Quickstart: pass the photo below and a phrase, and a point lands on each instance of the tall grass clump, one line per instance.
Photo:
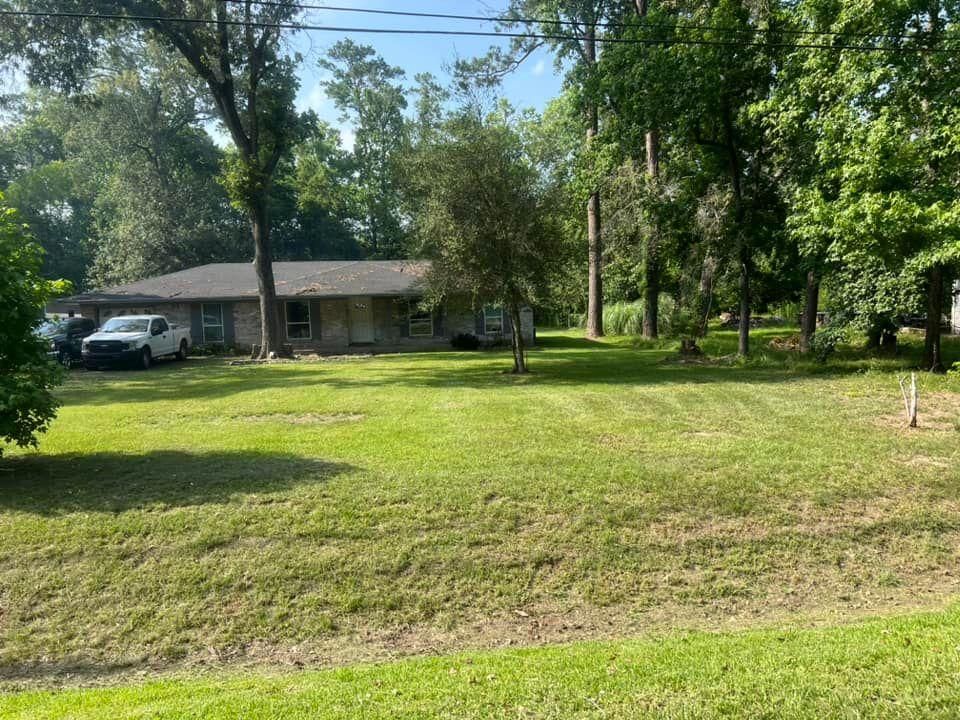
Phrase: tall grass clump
(626, 318)
(623, 318)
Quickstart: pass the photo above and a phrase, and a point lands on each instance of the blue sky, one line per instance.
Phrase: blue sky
(533, 84)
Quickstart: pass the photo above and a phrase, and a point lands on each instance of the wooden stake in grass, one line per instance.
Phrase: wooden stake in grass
(910, 402)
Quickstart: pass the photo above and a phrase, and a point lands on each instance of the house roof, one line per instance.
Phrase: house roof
(238, 281)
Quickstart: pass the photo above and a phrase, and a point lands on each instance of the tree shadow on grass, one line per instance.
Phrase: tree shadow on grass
(115, 482)
(28, 676)
(559, 361)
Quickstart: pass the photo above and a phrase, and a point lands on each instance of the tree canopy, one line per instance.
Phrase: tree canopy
(27, 376)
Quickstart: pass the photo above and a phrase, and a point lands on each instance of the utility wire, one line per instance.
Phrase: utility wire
(510, 19)
(458, 33)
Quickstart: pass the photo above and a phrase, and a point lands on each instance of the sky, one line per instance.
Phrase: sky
(533, 84)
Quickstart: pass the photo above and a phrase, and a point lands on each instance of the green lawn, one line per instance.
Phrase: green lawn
(203, 515)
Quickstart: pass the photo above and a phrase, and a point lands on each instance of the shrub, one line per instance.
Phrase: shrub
(465, 341)
(825, 340)
(27, 377)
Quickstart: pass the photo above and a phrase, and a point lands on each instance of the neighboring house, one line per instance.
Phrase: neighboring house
(326, 306)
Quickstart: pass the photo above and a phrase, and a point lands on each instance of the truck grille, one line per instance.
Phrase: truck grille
(105, 346)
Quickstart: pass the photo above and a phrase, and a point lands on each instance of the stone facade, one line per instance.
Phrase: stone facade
(330, 323)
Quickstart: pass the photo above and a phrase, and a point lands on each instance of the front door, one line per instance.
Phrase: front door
(361, 320)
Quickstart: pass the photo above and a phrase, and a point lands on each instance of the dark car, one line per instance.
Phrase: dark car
(65, 337)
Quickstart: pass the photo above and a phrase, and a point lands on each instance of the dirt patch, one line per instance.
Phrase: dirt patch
(617, 442)
(922, 461)
(790, 343)
(937, 412)
(703, 360)
(707, 434)
(303, 359)
(336, 358)
(303, 419)
(533, 625)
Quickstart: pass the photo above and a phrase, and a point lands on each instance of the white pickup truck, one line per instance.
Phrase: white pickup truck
(134, 340)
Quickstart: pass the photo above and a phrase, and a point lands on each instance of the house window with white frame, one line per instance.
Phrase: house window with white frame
(421, 321)
(212, 322)
(492, 320)
(297, 314)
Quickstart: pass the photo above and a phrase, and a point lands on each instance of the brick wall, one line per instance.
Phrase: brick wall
(389, 319)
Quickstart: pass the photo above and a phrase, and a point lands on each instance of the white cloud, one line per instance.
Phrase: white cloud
(314, 100)
(347, 137)
(539, 68)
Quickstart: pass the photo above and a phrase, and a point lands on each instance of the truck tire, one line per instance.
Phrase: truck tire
(181, 353)
(63, 357)
(145, 359)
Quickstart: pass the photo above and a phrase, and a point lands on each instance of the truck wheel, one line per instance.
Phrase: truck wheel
(64, 359)
(145, 359)
(182, 352)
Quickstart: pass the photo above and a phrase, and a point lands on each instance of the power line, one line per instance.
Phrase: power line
(457, 33)
(510, 19)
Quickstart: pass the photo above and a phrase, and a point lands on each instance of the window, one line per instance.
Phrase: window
(421, 322)
(160, 326)
(121, 325)
(492, 321)
(212, 323)
(298, 320)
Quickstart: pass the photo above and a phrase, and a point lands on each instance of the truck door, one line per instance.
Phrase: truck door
(161, 337)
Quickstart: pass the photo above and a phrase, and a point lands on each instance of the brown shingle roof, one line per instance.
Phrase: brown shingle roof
(237, 281)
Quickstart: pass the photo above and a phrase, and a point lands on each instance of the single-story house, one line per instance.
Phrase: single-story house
(323, 306)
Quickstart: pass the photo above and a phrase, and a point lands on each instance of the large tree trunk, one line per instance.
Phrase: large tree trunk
(705, 300)
(263, 265)
(594, 240)
(743, 251)
(595, 268)
(743, 341)
(651, 279)
(519, 358)
(932, 359)
(651, 295)
(808, 324)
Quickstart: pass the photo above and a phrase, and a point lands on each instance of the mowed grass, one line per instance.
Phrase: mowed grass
(333, 512)
(900, 668)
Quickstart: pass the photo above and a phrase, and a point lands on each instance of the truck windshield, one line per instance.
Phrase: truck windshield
(51, 328)
(122, 325)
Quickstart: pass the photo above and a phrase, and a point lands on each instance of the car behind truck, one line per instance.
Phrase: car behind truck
(134, 340)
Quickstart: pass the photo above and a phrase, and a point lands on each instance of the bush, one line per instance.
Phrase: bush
(465, 341)
(214, 350)
(27, 376)
(825, 340)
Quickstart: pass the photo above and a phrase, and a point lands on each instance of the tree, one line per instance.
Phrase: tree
(159, 204)
(366, 91)
(46, 185)
(573, 28)
(485, 220)
(120, 182)
(653, 262)
(707, 94)
(234, 50)
(885, 207)
(27, 376)
(313, 200)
